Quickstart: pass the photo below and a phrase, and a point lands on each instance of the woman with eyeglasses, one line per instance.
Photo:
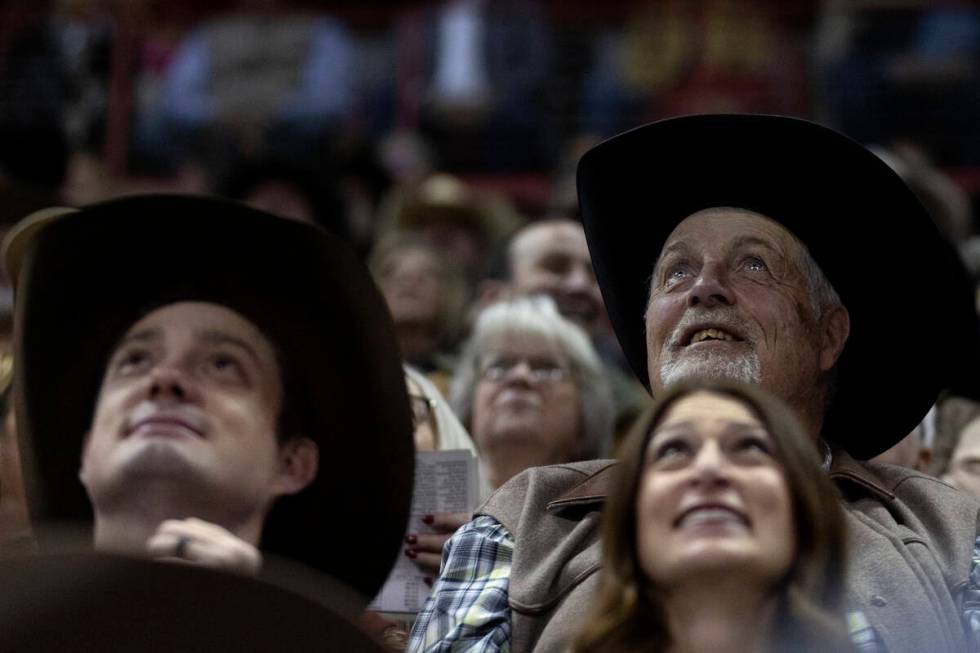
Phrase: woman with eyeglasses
(531, 390)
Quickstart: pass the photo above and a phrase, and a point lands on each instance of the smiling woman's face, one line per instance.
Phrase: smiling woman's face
(712, 499)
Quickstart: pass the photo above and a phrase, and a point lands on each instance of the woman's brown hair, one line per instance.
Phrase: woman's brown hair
(629, 614)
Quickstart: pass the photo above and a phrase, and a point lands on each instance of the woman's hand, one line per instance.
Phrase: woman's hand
(198, 542)
(426, 548)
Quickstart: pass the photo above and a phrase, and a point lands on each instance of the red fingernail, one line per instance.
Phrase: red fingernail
(428, 519)
(411, 539)
(427, 580)
(410, 553)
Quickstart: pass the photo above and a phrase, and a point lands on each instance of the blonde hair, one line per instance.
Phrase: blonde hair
(450, 434)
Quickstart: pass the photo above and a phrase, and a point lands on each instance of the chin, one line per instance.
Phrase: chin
(518, 410)
(517, 429)
(745, 370)
(158, 458)
(724, 563)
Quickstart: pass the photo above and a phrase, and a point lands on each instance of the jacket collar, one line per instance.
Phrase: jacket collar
(844, 469)
(592, 491)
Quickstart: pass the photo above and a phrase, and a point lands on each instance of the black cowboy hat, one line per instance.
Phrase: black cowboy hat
(83, 277)
(913, 326)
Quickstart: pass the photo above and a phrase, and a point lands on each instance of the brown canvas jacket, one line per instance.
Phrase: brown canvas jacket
(911, 539)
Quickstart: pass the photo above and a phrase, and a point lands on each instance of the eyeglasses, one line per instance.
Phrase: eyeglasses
(423, 409)
(538, 370)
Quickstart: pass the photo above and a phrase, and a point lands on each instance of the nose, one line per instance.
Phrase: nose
(411, 276)
(711, 288)
(579, 279)
(167, 382)
(710, 468)
(519, 373)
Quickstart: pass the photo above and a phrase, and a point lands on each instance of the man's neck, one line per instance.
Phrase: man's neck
(809, 411)
(416, 341)
(727, 617)
(127, 529)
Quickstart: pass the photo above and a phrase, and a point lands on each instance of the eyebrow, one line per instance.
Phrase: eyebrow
(743, 241)
(676, 247)
(143, 335)
(221, 338)
(210, 336)
(736, 427)
(682, 247)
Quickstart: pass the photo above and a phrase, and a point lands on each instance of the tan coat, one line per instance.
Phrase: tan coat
(911, 540)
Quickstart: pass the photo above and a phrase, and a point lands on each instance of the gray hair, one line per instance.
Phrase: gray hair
(823, 297)
(538, 316)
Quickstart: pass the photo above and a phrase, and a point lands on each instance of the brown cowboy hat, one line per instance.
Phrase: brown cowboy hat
(913, 327)
(94, 602)
(82, 277)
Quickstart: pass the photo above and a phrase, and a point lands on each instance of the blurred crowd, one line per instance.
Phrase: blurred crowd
(439, 141)
(315, 105)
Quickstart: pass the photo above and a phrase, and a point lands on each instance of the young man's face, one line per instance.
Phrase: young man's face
(190, 401)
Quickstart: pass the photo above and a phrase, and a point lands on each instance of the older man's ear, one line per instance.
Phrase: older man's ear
(299, 461)
(834, 330)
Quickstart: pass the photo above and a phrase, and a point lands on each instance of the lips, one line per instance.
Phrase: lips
(517, 399)
(711, 334)
(164, 427)
(148, 419)
(697, 334)
(710, 515)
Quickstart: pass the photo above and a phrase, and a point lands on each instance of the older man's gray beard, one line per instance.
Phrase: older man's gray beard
(679, 364)
(744, 369)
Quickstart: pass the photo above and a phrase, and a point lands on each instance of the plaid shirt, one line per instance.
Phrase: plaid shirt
(468, 610)
(971, 601)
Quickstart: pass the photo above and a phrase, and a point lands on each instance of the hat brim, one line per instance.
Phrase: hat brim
(84, 277)
(913, 327)
(89, 602)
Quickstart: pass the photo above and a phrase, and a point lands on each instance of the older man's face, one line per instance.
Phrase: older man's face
(728, 300)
